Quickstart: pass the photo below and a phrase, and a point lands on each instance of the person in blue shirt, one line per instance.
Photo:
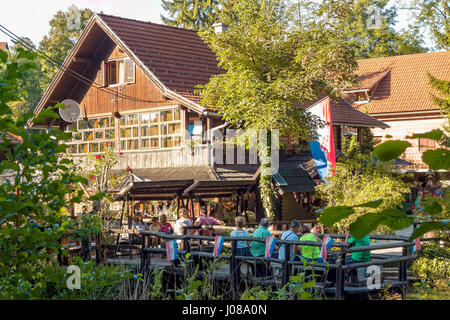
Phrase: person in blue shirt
(290, 235)
(242, 247)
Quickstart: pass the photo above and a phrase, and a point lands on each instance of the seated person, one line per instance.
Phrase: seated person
(138, 223)
(309, 253)
(242, 247)
(290, 235)
(258, 249)
(361, 256)
(166, 227)
(155, 227)
(184, 221)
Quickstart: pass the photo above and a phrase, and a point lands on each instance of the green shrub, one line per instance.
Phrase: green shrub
(433, 265)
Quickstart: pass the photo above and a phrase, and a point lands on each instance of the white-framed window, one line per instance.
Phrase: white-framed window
(91, 134)
(151, 130)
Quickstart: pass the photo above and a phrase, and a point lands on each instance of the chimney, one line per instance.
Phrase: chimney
(220, 28)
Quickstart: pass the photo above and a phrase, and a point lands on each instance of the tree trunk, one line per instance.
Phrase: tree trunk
(99, 252)
(85, 249)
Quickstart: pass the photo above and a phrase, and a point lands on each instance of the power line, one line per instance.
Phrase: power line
(73, 73)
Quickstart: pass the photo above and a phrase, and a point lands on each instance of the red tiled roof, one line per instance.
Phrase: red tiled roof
(14, 138)
(342, 113)
(179, 58)
(368, 80)
(405, 88)
(3, 45)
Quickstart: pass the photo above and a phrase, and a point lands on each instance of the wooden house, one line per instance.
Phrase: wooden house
(135, 84)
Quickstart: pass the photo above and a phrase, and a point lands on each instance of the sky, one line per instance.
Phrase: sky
(29, 18)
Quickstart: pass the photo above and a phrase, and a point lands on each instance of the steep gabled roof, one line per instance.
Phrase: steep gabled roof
(405, 87)
(178, 57)
(174, 59)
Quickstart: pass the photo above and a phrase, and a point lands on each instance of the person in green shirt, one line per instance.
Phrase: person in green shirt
(361, 256)
(309, 253)
(258, 249)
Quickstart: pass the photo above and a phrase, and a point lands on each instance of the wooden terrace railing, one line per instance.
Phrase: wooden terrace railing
(338, 265)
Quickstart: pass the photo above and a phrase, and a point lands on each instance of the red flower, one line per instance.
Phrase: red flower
(107, 143)
(120, 153)
(413, 207)
(92, 177)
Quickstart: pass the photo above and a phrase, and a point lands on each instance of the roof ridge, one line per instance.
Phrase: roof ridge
(406, 55)
(147, 22)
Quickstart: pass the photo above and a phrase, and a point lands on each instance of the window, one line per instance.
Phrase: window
(120, 71)
(91, 135)
(426, 144)
(151, 130)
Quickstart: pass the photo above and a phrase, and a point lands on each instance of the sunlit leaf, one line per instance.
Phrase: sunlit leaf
(365, 224)
(427, 227)
(433, 209)
(437, 159)
(370, 204)
(390, 150)
(332, 215)
(434, 135)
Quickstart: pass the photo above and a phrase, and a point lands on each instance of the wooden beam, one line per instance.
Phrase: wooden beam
(82, 60)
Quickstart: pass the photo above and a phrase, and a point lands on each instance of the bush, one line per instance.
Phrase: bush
(433, 265)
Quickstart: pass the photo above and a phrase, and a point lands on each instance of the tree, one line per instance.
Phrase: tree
(190, 14)
(35, 186)
(435, 15)
(369, 26)
(30, 83)
(66, 27)
(272, 63)
(443, 101)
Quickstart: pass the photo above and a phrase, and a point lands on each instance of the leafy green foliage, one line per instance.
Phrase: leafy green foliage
(369, 26)
(436, 134)
(437, 159)
(271, 65)
(34, 193)
(433, 265)
(190, 14)
(64, 32)
(361, 186)
(434, 14)
(390, 150)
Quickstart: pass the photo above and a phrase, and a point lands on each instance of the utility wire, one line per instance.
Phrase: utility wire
(73, 73)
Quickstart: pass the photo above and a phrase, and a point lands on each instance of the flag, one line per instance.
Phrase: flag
(270, 245)
(171, 250)
(218, 244)
(326, 244)
(323, 149)
(417, 246)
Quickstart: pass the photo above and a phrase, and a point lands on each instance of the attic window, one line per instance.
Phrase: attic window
(361, 97)
(121, 71)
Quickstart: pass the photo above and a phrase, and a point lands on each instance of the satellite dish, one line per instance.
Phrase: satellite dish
(72, 112)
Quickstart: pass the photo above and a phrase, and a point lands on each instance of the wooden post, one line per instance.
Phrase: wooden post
(193, 211)
(402, 272)
(178, 207)
(338, 137)
(287, 257)
(340, 276)
(233, 272)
